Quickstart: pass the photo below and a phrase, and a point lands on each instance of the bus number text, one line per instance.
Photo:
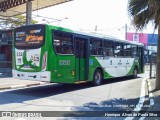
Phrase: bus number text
(64, 62)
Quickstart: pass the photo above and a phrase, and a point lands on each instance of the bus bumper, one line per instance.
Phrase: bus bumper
(37, 76)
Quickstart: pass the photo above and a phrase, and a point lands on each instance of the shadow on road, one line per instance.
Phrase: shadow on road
(21, 95)
(113, 106)
(93, 109)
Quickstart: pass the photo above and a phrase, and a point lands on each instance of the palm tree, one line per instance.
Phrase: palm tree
(143, 12)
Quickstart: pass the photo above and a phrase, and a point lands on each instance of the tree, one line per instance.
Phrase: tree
(143, 12)
(13, 22)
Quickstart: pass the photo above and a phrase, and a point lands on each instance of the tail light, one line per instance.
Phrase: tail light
(44, 62)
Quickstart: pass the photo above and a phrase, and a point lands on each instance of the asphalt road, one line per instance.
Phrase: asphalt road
(121, 94)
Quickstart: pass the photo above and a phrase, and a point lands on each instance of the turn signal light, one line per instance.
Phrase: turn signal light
(73, 72)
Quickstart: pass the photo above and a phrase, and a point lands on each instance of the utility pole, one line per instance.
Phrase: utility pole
(28, 12)
(126, 31)
(96, 28)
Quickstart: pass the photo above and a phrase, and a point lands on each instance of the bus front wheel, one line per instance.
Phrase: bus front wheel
(97, 80)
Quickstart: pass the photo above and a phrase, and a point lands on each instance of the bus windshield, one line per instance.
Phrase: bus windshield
(28, 37)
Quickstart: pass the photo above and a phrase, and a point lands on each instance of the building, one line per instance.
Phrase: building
(149, 40)
(6, 38)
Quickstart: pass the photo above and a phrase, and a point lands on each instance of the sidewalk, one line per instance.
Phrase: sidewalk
(11, 83)
(154, 96)
(152, 84)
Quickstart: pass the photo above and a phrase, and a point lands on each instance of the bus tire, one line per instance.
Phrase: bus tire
(97, 78)
(135, 72)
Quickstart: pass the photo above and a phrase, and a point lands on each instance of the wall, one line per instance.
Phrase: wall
(138, 37)
(147, 39)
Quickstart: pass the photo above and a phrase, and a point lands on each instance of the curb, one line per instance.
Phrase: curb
(150, 94)
(4, 87)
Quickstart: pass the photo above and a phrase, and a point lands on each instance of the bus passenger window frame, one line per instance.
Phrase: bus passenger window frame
(94, 49)
(127, 48)
(108, 49)
(62, 38)
(135, 51)
(118, 49)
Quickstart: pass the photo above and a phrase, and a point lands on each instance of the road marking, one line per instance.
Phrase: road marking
(150, 96)
(142, 118)
(150, 93)
(141, 100)
(142, 96)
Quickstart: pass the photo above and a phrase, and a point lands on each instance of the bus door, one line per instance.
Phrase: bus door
(81, 58)
(141, 59)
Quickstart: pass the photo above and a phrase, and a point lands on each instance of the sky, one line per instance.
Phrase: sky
(109, 16)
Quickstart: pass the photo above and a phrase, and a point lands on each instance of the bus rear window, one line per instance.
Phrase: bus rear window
(29, 37)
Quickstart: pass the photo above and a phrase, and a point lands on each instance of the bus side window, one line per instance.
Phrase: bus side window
(118, 49)
(127, 50)
(80, 47)
(134, 51)
(96, 46)
(63, 42)
(108, 48)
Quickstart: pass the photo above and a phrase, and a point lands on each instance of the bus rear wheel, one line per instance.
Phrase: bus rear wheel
(97, 80)
(135, 72)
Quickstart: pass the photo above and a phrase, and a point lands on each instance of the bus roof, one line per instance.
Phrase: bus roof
(99, 35)
(102, 36)
(96, 35)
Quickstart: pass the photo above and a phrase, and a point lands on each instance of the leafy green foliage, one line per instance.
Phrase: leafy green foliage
(14, 22)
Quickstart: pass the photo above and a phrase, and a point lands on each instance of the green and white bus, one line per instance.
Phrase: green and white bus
(56, 54)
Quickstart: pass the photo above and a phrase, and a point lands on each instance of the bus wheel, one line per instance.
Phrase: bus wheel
(97, 80)
(135, 72)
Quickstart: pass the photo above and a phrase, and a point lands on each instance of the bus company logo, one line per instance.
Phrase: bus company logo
(6, 114)
(35, 31)
(91, 62)
(20, 34)
(27, 66)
